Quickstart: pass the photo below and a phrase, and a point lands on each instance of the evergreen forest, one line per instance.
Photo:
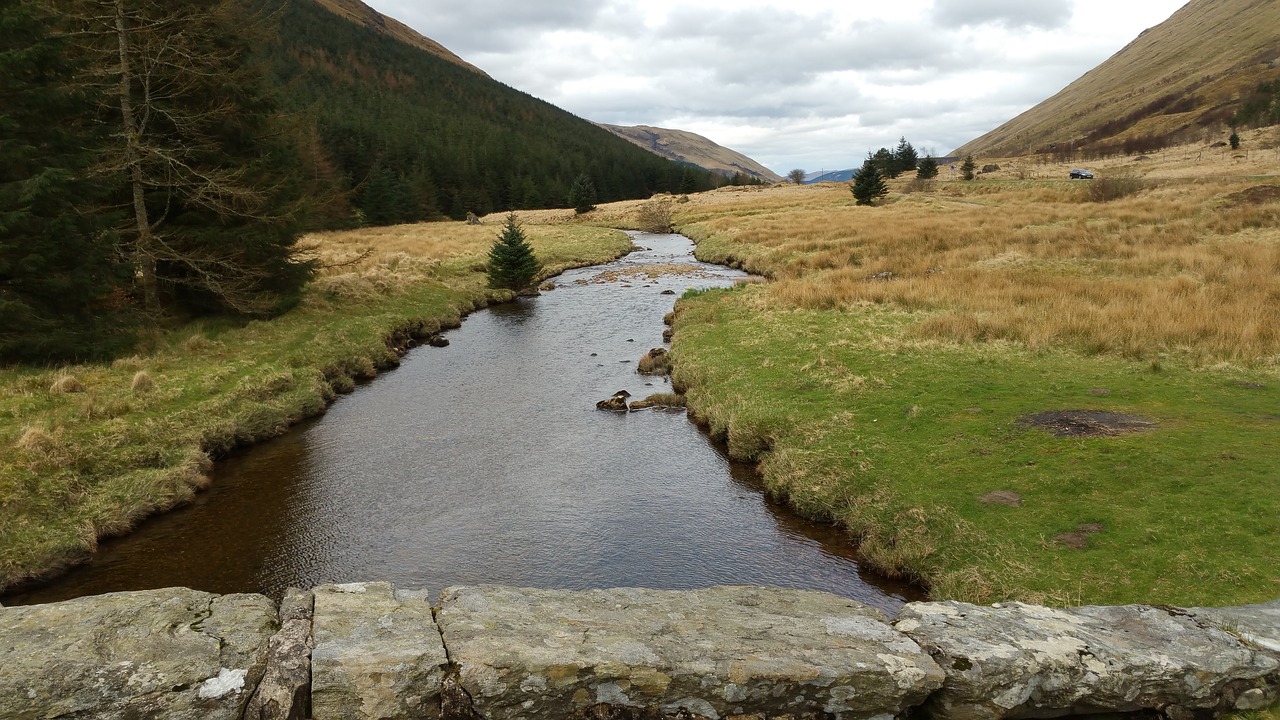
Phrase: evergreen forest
(158, 161)
(400, 135)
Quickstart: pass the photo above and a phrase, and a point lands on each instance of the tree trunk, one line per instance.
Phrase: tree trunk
(143, 251)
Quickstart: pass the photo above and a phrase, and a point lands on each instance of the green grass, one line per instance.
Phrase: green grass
(898, 438)
(78, 466)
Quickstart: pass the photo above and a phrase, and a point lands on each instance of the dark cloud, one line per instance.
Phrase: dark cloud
(1046, 14)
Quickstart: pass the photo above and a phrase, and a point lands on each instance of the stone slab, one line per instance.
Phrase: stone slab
(543, 654)
(376, 655)
(285, 690)
(1023, 661)
(173, 653)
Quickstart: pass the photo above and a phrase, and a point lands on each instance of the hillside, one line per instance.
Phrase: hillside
(361, 14)
(687, 147)
(1180, 80)
(397, 131)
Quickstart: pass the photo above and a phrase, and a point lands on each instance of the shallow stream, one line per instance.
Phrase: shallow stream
(487, 462)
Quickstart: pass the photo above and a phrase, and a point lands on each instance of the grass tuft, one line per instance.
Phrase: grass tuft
(66, 384)
(142, 383)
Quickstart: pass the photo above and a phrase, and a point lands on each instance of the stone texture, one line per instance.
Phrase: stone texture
(285, 690)
(176, 654)
(543, 654)
(1258, 625)
(377, 654)
(1023, 661)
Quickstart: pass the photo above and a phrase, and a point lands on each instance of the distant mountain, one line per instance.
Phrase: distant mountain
(830, 176)
(687, 147)
(1184, 78)
(395, 128)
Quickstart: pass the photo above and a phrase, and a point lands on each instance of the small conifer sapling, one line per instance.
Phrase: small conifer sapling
(512, 264)
(869, 186)
(582, 196)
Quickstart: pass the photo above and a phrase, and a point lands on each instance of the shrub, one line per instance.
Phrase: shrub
(1113, 187)
(655, 216)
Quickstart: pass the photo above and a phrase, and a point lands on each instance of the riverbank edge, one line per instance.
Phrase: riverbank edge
(336, 377)
(885, 548)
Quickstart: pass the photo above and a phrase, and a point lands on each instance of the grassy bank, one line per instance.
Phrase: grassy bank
(87, 451)
(889, 379)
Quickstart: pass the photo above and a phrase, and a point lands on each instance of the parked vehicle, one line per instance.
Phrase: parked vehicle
(1080, 175)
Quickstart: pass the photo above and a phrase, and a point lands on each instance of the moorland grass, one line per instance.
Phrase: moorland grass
(138, 434)
(881, 380)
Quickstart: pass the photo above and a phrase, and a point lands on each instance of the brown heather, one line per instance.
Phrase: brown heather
(1178, 268)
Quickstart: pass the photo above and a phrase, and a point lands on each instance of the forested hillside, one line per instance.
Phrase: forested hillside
(404, 135)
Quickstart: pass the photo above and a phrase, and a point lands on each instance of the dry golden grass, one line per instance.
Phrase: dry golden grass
(1179, 267)
(1259, 155)
(142, 382)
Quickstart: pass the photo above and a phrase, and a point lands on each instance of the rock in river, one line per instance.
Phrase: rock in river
(617, 403)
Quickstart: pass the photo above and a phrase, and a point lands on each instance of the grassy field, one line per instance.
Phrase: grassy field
(87, 451)
(894, 374)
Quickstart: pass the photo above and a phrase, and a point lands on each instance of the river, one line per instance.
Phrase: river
(487, 462)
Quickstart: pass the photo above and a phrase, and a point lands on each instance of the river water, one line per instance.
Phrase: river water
(487, 462)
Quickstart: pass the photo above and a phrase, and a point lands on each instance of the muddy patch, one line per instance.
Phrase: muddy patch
(1002, 497)
(1078, 539)
(1087, 423)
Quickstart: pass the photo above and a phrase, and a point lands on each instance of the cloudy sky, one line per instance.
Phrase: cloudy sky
(810, 84)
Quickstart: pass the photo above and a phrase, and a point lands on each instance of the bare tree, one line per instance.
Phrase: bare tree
(796, 176)
(174, 83)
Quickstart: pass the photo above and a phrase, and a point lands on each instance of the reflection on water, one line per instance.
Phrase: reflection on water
(487, 462)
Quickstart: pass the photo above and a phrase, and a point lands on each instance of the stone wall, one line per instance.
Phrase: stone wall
(495, 653)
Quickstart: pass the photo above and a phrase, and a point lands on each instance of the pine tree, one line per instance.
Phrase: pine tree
(968, 169)
(512, 264)
(928, 169)
(582, 196)
(1234, 139)
(869, 186)
(886, 163)
(58, 271)
(905, 157)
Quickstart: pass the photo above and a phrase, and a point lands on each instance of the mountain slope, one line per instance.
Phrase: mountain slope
(687, 147)
(1181, 78)
(399, 133)
(357, 12)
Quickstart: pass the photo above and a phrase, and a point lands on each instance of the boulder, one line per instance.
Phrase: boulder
(285, 690)
(544, 654)
(177, 654)
(1023, 661)
(617, 403)
(377, 655)
(1257, 625)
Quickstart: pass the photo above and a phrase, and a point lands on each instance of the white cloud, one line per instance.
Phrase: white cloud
(805, 83)
(1047, 14)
